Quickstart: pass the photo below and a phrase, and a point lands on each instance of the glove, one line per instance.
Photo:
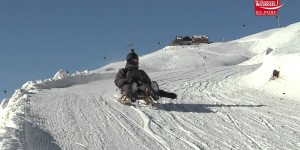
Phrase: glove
(125, 81)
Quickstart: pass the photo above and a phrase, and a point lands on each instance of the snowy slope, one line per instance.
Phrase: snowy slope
(226, 100)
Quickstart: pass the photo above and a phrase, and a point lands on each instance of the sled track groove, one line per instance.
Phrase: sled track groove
(146, 129)
(243, 133)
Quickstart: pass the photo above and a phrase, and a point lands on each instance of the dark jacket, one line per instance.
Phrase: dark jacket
(131, 74)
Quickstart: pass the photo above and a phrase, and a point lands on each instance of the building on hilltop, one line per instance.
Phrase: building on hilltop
(200, 39)
(190, 40)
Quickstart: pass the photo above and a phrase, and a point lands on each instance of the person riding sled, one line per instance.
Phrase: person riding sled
(131, 80)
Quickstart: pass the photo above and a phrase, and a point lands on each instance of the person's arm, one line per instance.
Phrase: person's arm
(120, 79)
(146, 78)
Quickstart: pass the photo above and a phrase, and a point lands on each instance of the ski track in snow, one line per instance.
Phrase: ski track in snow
(206, 115)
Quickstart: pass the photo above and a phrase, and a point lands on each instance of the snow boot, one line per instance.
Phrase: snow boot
(148, 98)
(163, 93)
(124, 99)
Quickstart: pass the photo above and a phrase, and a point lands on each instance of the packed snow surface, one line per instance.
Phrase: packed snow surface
(227, 99)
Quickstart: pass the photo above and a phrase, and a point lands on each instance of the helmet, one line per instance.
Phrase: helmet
(131, 55)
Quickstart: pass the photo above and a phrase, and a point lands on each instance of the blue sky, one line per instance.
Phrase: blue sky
(38, 38)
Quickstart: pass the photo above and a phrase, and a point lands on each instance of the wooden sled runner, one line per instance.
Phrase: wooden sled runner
(140, 96)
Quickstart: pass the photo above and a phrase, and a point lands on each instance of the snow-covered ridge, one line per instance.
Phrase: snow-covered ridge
(12, 110)
(274, 38)
(191, 57)
(252, 48)
(60, 80)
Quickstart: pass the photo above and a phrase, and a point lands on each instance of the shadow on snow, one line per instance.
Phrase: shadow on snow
(198, 108)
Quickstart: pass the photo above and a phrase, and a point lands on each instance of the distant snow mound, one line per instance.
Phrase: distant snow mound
(274, 38)
(60, 74)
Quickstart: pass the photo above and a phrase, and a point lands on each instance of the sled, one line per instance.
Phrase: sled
(141, 96)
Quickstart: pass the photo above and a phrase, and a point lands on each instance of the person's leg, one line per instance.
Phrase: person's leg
(171, 95)
(155, 87)
(127, 90)
(134, 91)
(154, 90)
(148, 89)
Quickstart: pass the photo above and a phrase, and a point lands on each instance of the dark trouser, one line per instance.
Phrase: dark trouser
(131, 90)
